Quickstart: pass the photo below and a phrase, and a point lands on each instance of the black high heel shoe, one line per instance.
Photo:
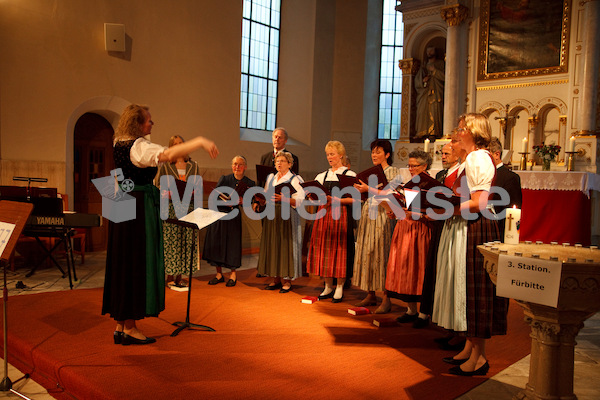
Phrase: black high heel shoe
(127, 340)
(118, 337)
(455, 361)
(326, 296)
(483, 370)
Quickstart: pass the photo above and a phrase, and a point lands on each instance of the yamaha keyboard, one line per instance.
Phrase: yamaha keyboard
(68, 220)
(47, 220)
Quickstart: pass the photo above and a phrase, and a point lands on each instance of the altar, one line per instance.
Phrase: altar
(561, 207)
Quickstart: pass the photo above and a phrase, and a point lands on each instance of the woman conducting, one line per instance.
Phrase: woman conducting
(135, 278)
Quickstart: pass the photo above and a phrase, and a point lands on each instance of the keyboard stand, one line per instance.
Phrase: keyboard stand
(63, 234)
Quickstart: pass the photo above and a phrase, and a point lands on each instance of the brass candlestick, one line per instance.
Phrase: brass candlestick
(523, 164)
(571, 160)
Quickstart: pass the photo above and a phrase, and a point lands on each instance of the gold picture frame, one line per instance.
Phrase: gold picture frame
(519, 38)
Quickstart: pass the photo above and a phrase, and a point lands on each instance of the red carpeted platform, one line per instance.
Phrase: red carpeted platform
(266, 345)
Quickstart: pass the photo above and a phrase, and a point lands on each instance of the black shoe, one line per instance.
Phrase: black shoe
(453, 347)
(483, 370)
(259, 275)
(127, 340)
(334, 300)
(118, 337)
(326, 296)
(282, 290)
(273, 287)
(231, 283)
(420, 323)
(403, 319)
(455, 361)
(214, 280)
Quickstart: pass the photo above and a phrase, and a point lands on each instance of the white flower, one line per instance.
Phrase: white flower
(548, 157)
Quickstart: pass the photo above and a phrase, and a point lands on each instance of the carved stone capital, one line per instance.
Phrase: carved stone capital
(562, 119)
(454, 14)
(533, 121)
(553, 334)
(409, 66)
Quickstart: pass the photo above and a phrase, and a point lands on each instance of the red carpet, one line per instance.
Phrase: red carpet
(266, 345)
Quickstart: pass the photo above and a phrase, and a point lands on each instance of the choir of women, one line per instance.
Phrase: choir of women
(464, 298)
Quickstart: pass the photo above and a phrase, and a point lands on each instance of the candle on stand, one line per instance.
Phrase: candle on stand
(524, 148)
(426, 147)
(512, 225)
(572, 144)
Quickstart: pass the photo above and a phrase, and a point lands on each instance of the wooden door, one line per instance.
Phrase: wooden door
(93, 154)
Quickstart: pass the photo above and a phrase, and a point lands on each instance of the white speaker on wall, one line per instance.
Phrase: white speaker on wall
(114, 37)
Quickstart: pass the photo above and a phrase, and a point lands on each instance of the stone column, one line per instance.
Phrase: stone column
(533, 136)
(456, 54)
(409, 67)
(563, 136)
(591, 67)
(552, 355)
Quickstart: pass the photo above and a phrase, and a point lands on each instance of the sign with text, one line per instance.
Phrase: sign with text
(529, 279)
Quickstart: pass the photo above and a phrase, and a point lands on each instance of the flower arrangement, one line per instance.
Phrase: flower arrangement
(547, 153)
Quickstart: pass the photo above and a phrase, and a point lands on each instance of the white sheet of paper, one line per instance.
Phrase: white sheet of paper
(410, 195)
(6, 230)
(203, 217)
(529, 279)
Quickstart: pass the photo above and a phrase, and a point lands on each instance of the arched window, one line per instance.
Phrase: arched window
(260, 64)
(390, 77)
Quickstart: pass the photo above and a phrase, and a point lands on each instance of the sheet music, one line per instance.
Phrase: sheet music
(410, 195)
(6, 230)
(203, 217)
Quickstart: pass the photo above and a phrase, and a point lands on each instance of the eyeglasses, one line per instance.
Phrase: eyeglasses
(410, 166)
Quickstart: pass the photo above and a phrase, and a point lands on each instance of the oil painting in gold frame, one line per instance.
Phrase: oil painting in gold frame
(519, 38)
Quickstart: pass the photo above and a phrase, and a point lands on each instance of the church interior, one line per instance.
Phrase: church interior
(531, 67)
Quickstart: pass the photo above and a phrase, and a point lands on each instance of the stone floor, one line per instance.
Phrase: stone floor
(502, 386)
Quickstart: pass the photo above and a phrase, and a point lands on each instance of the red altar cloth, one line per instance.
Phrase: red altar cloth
(556, 216)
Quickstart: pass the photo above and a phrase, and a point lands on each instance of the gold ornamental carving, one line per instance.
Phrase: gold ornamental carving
(409, 66)
(522, 85)
(454, 14)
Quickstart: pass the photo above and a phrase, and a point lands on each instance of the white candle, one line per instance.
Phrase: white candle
(426, 147)
(572, 144)
(524, 148)
(512, 225)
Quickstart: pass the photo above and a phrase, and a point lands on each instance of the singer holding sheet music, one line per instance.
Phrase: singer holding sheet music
(180, 242)
(409, 251)
(473, 309)
(332, 237)
(374, 234)
(134, 283)
(280, 252)
(223, 241)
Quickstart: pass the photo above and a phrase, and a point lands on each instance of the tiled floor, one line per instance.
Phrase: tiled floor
(503, 386)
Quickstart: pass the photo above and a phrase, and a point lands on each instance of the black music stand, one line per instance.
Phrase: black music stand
(14, 213)
(187, 323)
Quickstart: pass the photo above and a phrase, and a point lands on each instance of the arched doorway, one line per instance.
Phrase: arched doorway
(93, 158)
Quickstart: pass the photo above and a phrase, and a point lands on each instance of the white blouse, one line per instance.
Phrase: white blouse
(144, 153)
(272, 181)
(480, 170)
(329, 175)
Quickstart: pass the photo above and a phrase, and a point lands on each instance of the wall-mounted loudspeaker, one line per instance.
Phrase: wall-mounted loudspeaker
(114, 37)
